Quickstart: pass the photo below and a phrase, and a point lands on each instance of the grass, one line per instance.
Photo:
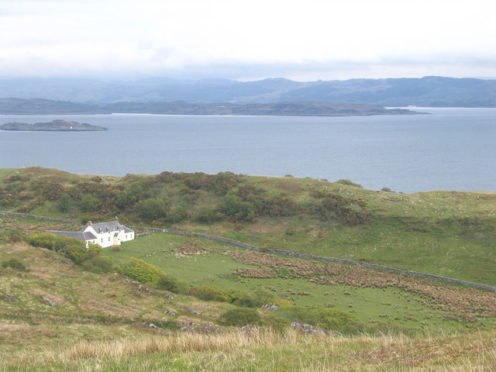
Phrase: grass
(391, 306)
(467, 256)
(267, 351)
(439, 232)
(100, 321)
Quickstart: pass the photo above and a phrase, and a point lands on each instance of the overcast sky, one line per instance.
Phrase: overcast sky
(248, 39)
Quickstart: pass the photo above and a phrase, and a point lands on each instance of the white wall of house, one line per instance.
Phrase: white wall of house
(110, 238)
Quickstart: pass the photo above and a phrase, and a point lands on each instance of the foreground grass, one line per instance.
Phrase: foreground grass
(267, 351)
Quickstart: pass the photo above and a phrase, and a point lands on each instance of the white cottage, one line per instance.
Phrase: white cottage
(105, 234)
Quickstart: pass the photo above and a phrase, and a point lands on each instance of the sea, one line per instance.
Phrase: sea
(445, 149)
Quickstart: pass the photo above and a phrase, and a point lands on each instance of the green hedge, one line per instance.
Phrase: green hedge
(71, 248)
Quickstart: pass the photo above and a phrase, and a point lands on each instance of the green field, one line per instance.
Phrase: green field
(391, 306)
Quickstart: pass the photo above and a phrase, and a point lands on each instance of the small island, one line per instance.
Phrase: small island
(53, 126)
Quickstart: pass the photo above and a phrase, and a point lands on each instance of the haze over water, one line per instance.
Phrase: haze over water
(451, 149)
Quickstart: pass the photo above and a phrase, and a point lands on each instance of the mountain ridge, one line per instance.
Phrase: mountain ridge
(430, 91)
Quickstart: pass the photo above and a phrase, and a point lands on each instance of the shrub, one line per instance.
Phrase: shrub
(348, 183)
(206, 214)
(142, 271)
(239, 317)
(71, 248)
(276, 323)
(98, 264)
(177, 214)
(152, 209)
(64, 203)
(328, 319)
(246, 299)
(172, 284)
(14, 264)
(208, 294)
(233, 206)
(241, 298)
(89, 203)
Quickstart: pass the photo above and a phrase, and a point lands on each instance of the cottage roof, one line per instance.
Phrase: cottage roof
(110, 226)
(79, 235)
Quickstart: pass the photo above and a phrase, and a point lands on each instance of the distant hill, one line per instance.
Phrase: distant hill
(43, 106)
(52, 126)
(427, 91)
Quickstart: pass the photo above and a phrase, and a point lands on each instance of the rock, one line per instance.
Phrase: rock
(151, 325)
(270, 306)
(48, 301)
(201, 328)
(169, 297)
(307, 329)
(170, 313)
(194, 312)
(251, 330)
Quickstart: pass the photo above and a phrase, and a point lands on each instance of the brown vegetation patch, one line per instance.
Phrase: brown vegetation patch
(192, 247)
(468, 302)
(263, 227)
(255, 273)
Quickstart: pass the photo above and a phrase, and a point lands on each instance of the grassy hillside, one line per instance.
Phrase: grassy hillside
(58, 316)
(447, 233)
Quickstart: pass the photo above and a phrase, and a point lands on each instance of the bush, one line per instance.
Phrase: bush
(233, 206)
(208, 294)
(142, 271)
(169, 283)
(152, 209)
(239, 317)
(276, 323)
(246, 299)
(328, 319)
(14, 264)
(98, 264)
(206, 214)
(348, 183)
(71, 248)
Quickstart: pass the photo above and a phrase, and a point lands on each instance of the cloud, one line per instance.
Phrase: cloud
(241, 39)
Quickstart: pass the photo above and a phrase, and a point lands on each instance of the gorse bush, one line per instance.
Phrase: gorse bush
(239, 317)
(142, 271)
(71, 248)
(208, 294)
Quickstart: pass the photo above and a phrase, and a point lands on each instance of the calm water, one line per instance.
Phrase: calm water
(451, 149)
